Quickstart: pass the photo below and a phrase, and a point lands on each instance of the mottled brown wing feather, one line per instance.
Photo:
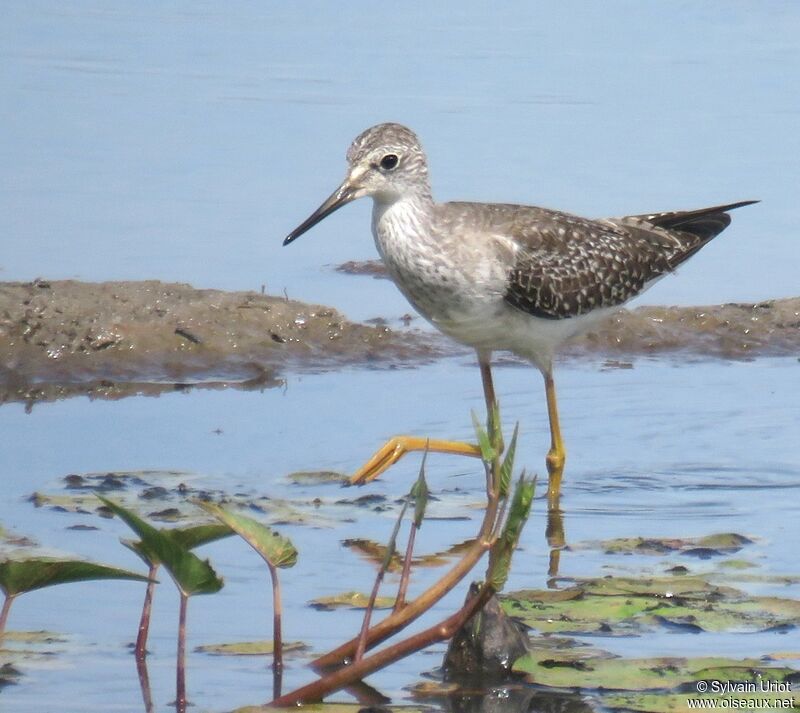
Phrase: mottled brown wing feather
(589, 267)
(568, 266)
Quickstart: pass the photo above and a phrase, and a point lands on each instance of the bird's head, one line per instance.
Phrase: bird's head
(386, 162)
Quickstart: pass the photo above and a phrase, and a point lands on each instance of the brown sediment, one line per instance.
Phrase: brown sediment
(730, 331)
(113, 339)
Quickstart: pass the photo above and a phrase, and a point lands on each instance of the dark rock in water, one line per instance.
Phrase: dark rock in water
(487, 645)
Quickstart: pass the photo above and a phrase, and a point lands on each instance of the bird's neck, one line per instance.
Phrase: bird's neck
(402, 222)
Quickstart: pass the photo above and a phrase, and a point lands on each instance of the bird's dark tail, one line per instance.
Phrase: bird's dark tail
(705, 223)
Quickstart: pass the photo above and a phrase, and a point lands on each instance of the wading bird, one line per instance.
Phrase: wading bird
(504, 277)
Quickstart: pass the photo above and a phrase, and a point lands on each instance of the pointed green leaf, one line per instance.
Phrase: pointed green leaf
(493, 422)
(276, 550)
(199, 535)
(186, 537)
(420, 493)
(191, 574)
(391, 546)
(136, 546)
(18, 576)
(503, 549)
(507, 467)
(487, 451)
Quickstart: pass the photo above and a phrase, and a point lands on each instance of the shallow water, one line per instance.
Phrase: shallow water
(184, 142)
(658, 450)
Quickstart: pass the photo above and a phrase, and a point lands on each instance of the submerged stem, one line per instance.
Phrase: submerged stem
(180, 693)
(7, 602)
(362, 637)
(400, 602)
(345, 676)
(277, 632)
(277, 611)
(402, 618)
(144, 684)
(144, 621)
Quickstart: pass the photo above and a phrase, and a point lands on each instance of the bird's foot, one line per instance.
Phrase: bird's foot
(395, 448)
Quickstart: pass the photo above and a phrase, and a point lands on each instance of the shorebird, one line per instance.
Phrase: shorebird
(503, 277)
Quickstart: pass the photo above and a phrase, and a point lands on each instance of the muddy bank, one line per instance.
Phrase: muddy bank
(113, 339)
(730, 331)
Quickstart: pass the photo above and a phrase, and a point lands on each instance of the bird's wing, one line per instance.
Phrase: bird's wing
(562, 265)
(565, 266)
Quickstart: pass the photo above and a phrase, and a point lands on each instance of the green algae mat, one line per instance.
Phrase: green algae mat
(568, 626)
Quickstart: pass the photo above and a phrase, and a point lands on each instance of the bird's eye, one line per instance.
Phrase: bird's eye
(389, 161)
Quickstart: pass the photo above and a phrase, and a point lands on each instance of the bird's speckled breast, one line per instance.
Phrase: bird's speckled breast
(448, 279)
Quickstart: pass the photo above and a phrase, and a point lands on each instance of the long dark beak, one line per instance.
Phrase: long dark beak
(341, 196)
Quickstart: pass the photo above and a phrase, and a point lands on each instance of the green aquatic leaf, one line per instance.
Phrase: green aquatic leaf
(693, 587)
(198, 535)
(724, 542)
(273, 548)
(488, 453)
(34, 637)
(420, 493)
(190, 574)
(186, 537)
(20, 576)
(737, 564)
(624, 605)
(317, 477)
(623, 674)
(249, 648)
(350, 600)
(710, 545)
(503, 549)
(375, 553)
(507, 467)
(424, 690)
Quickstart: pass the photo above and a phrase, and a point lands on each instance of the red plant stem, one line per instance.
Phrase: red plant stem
(180, 694)
(144, 621)
(400, 602)
(144, 684)
(7, 602)
(362, 637)
(277, 610)
(356, 671)
(398, 620)
(277, 682)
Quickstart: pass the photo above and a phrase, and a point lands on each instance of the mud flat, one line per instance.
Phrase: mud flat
(113, 339)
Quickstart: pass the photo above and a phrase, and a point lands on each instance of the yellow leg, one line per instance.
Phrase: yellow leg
(395, 448)
(557, 454)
